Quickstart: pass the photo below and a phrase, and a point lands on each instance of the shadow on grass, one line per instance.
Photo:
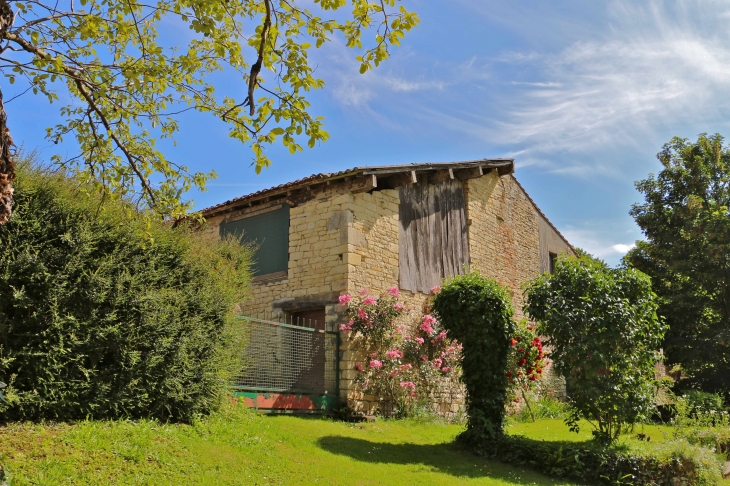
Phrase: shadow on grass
(449, 458)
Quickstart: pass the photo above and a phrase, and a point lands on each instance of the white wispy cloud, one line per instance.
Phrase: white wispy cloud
(352, 89)
(654, 63)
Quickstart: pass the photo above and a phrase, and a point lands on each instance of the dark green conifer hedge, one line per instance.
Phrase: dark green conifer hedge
(104, 314)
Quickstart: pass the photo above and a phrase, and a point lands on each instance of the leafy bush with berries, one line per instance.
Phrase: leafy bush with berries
(408, 358)
(478, 312)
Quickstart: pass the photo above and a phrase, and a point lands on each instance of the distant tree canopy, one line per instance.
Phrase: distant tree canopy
(686, 221)
(128, 69)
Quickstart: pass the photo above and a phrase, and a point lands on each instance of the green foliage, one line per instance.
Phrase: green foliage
(542, 408)
(701, 419)
(704, 403)
(405, 362)
(686, 223)
(4, 476)
(104, 315)
(477, 312)
(127, 81)
(592, 464)
(603, 332)
(525, 364)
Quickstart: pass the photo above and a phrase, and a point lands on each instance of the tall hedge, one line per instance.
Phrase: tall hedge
(478, 312)
(104, 314)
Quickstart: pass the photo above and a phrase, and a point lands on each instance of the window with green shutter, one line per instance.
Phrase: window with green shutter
(269, 232)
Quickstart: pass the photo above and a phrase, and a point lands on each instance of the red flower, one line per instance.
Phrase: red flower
(533, 377)
(522, 361)
(509, 374)
(517, 400)
(512, 341)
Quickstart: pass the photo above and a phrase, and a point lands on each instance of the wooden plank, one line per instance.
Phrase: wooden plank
(433, 238)
(364, 184)
(395, 181)
(465, 174)
(439, 176)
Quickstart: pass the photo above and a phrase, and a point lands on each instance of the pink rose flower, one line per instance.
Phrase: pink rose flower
(346, 327)
(364, 292)
(393, 373)
(394, 354)
(369, 301)
(358, 367)
(436, 290)
(406, 366)
(408, 384)
(446, 369)
(424, 357)
(376, 364)
(427, 324)
(419, 340)
(345, 299)
(361, 314)
(373, 355)
(398, 307)
(437, 362)
(394, 291)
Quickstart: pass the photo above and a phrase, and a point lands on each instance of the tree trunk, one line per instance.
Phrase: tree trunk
(7, 167)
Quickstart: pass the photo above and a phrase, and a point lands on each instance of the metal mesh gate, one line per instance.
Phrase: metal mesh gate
(288, 367)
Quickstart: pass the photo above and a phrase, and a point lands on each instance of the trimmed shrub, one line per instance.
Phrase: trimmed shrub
(106, 314)
(477, 312)
(604, 335)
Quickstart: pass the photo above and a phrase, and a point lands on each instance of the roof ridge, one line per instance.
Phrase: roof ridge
(332, 175)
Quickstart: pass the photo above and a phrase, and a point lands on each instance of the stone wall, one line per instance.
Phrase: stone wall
(503, 233)
(341, 242)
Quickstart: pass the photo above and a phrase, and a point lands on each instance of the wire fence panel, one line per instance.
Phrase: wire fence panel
(283, 358)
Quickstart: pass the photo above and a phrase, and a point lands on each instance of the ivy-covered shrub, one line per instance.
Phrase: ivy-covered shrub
(477, 312)
(104, 314)
(604, 336)
(406, 362)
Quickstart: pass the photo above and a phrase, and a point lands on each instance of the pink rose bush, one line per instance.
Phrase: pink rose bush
(409, 357)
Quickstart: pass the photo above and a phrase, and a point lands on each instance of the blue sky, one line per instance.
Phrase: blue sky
(581, 94)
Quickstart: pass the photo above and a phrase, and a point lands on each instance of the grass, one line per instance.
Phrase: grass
(240, 447)
(556, 430)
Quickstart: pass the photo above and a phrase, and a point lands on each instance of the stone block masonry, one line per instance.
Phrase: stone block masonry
(341, 241)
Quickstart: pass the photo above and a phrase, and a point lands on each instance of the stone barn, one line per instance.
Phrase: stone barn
(369, 227)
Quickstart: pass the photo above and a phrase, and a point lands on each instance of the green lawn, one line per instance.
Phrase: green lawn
(240, 447)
